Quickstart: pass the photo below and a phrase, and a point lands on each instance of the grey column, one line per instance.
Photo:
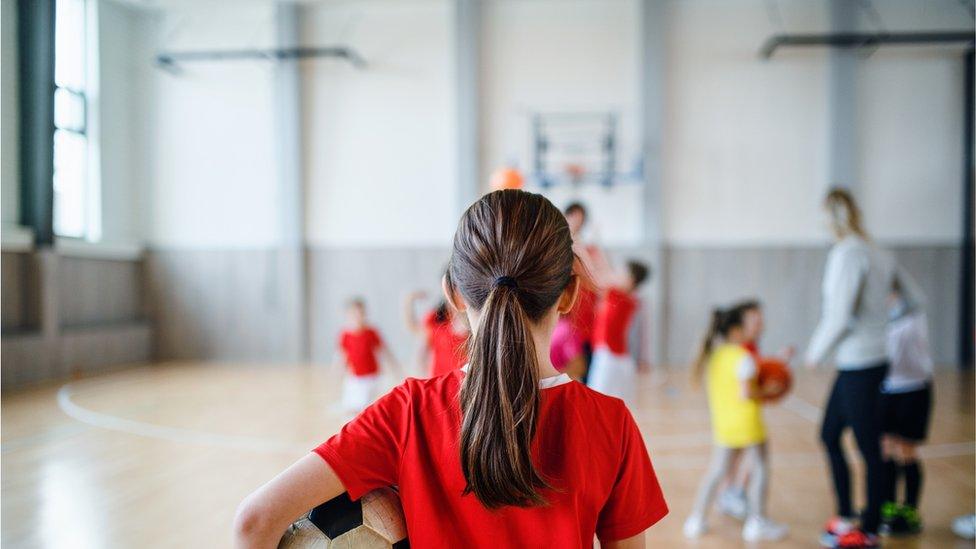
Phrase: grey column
(291, 280)
(467, 36)
(652, 53)
(842, 99)
(35, 47)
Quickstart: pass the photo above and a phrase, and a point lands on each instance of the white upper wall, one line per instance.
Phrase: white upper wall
(380, 142)
(211, 172)
(124, 66)
(563, 56)
(910, 116)
(745, 142)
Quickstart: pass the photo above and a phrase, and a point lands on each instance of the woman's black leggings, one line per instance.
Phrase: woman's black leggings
(854, 403)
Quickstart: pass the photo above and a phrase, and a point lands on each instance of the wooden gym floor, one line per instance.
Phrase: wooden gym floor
(159, 456)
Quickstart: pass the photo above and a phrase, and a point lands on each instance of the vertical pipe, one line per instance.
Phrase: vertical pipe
(842, 134)
(467, 36)
(967, 269)
(291, 262)
(652, 35)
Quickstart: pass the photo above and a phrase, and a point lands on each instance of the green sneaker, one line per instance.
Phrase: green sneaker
(912, 521)
(889, 511)
(900, 520)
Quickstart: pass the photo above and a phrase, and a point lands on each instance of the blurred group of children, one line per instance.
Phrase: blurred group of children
(729, 365)
(590, 343)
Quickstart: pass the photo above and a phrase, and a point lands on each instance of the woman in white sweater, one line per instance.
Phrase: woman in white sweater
(857, 281)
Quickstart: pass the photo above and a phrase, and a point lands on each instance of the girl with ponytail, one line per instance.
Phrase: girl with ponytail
(739, 433)
(505, 452)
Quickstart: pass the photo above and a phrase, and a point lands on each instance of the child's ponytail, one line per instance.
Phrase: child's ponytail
(722, 322)
(500, 400)
(511, 261)
(705, 348)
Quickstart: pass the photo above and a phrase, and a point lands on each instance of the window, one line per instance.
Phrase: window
(73, 187)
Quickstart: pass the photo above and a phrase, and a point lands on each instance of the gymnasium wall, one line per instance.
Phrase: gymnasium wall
(747, 165)
(189, 161)
(745, 159)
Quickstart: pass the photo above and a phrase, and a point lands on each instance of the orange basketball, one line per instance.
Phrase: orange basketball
(506, 178)
(775, 371)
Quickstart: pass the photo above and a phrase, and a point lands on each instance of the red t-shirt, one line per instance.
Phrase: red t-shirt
(587, 445)
(447, 352)
(613, 318)
(753, 348)
(583, 314)
(360, 347)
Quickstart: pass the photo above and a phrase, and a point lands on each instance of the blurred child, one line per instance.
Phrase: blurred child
(360, 348)
(582, 317)
(614, 371)
(734, 395)
(732, 500)
(445, 336)
(906, 404)
(566, 349)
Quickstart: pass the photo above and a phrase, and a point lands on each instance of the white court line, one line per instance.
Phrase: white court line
(255, 444)
(173, 434)
(803, 409)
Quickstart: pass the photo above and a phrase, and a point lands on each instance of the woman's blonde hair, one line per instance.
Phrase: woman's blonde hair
(845, 216)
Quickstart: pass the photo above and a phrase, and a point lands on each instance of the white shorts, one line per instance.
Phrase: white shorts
(359, 391)
(613, 374)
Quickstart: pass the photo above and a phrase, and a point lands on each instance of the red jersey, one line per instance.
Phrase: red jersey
(587, 446)
(583, 314)
(753, 348)
(446, 346)
(360, 348)
(613, 318)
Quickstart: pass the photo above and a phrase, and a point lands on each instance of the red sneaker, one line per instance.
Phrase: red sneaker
(856, 539)
(834, 529)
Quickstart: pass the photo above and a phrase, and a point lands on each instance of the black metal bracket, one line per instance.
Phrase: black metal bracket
(169, 60)
(863, 39)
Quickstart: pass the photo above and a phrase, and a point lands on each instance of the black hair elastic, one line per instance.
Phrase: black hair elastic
(506, 281)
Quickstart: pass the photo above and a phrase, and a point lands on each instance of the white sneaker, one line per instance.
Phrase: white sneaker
(733, 503)
(695, 527)
(965, 526)
(763, 529)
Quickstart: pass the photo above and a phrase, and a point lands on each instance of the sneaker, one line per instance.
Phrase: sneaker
(856, 539)
(835, 527)
(965, 526)
(906, 522)
(732, 502)
(763, 529)
(889, 511)
(695, 527)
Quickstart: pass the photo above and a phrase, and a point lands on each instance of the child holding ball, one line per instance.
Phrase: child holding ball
(734, 396)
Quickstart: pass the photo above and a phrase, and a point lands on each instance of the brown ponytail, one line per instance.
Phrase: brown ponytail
(512, 259)
(722, 322)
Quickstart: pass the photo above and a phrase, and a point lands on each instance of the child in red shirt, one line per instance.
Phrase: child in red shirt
(506, 452)
(359, 349)
(445, 336)
(614, 371)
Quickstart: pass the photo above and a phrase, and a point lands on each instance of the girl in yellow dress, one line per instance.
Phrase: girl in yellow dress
(734, 396)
